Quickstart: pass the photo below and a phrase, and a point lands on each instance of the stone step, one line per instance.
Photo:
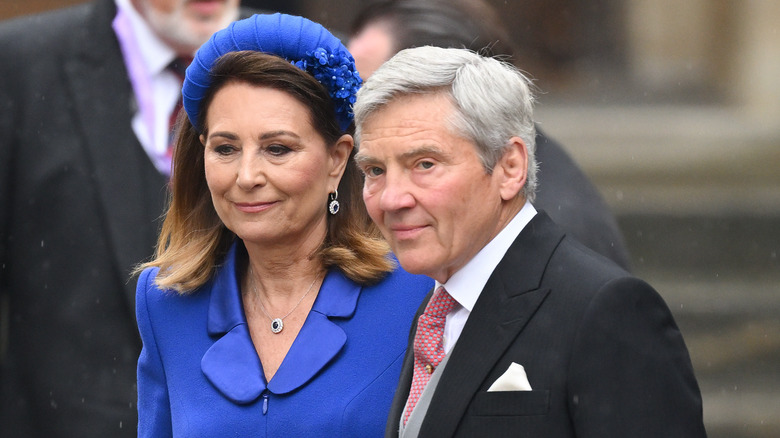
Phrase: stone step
(732, 331)
(673, 159)
(696, 191)
(704, 246)
(720, 276)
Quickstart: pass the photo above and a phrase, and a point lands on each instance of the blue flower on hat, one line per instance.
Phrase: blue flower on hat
(336, 71)
(304, 43)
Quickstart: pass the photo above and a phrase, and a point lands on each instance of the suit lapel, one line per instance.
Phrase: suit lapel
(506, 304)
(102, 99)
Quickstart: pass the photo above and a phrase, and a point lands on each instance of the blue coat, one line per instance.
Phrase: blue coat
(199, 374)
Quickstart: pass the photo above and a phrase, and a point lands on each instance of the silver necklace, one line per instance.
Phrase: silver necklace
(277, 324)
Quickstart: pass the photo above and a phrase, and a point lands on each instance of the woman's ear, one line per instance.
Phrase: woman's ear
(513, 168)
(339, 156)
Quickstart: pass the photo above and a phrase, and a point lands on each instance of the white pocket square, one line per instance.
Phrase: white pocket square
(514, 379)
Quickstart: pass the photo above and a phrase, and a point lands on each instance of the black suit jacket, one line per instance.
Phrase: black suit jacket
(80, 204)
(600, 348)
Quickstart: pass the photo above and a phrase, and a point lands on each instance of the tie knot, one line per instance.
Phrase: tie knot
(441, 303)
(179, 66)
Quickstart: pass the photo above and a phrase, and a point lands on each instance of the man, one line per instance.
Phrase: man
(85, 105)
(565, 193)
(531, 334)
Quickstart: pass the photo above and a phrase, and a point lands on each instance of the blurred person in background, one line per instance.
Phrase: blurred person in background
(85, 108)
(383, 28)
(273, 307)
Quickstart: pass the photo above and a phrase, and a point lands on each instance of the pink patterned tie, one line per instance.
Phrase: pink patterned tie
(428, 344)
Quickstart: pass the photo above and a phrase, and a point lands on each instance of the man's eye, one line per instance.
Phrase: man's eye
(425, 164)
(374, 171)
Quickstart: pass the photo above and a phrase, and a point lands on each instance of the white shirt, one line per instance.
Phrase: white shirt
(466, 284)
(156, 89)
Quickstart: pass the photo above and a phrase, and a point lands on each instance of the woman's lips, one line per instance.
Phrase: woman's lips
(253, 207)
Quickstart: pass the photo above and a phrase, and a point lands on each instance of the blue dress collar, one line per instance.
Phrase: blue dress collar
(231, 364)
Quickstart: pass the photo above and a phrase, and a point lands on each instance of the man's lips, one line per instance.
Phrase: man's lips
(253, 207)
(206, 7)
(403, 232)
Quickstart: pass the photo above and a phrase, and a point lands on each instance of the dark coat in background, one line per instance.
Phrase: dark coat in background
(574, 203)
(80, 205)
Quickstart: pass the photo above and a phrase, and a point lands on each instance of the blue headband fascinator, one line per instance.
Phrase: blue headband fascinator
(304, 43)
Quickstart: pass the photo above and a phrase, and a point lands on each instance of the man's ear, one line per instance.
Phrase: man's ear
(513, 168)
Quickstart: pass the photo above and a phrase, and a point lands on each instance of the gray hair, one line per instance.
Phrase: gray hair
(493, 100)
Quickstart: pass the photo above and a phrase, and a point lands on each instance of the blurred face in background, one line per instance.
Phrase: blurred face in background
(186, 24)
(371, 47)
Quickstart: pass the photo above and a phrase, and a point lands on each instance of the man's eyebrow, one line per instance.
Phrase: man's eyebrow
(422, 150)
(363, 159)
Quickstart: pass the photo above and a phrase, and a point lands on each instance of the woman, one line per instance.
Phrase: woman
(271, 308)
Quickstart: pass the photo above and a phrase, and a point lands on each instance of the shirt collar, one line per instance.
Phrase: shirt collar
(156, 55)
(467, 283)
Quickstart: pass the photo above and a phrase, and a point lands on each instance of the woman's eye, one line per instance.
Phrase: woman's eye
(278, 150)
(224, 149)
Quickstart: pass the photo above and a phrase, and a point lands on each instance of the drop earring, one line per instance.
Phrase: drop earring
(333, 206)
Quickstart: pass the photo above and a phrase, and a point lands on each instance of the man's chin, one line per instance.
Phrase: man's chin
(188, 29)
(415, 263)
(193, 33)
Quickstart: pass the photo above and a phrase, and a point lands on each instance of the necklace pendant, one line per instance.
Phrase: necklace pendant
(277, 325)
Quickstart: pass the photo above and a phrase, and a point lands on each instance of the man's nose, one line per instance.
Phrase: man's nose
(397, 193)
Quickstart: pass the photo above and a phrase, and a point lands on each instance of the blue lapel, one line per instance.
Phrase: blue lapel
(231, 364)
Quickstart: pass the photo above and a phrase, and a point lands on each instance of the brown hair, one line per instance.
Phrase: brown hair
(193, 240)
